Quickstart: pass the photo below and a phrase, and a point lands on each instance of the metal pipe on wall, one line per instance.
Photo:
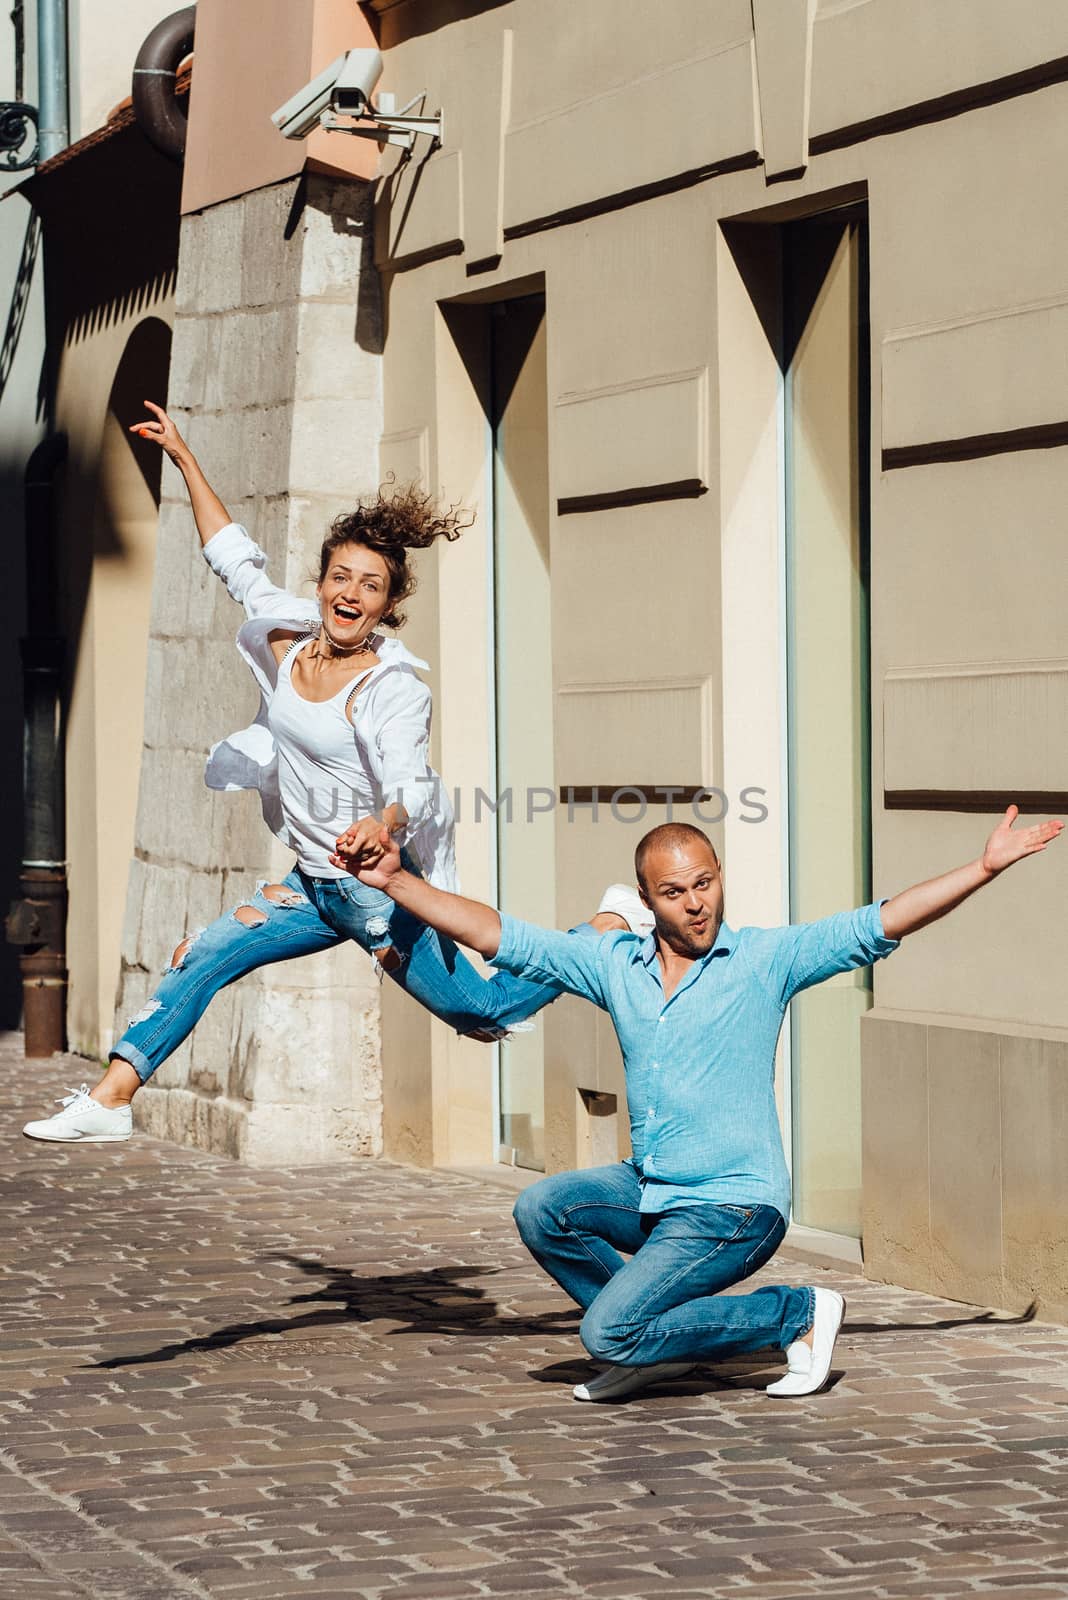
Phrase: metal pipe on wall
(38, 919)
(53, 99)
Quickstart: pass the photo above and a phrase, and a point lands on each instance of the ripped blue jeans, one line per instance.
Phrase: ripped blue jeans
(297, 917)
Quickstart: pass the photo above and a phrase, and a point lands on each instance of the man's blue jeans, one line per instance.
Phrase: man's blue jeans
(298, 917)
(665, 1303)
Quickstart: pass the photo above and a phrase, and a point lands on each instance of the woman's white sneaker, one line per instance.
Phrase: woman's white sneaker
(83, 1120)
(809, 1366)
(616, 1381)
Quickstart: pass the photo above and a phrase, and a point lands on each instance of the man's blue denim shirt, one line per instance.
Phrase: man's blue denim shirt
(701, 1068)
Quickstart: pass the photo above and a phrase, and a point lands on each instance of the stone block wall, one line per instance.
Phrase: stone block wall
(275, 381)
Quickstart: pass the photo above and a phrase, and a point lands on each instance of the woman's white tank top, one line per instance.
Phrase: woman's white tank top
(322, 782)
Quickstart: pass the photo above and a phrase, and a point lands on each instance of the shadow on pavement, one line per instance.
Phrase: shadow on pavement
(984, 1319)
(733, 1375)
(437, 1300)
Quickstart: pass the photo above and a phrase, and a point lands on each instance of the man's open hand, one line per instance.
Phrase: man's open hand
(1006, 845)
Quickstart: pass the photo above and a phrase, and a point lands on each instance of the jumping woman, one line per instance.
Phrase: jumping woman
(339, 750)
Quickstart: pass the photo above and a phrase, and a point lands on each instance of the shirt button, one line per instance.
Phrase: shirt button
(654, 1065)
(650, 1112)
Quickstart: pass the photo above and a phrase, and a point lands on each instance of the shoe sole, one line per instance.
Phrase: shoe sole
(626, 1389)
(81, 1138)
(803, 1394)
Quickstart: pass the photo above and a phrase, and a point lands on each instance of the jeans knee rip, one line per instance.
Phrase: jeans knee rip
(279, 894)
(182, 949)
(397, 957)
(249, 916)
(148, 1010)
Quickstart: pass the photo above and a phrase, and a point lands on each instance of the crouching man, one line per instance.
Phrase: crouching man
(697, 1006)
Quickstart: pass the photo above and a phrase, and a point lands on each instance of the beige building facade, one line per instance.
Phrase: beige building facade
(800, 450)
(737, 327)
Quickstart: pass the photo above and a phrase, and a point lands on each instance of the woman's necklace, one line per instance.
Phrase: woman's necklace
(364, 648)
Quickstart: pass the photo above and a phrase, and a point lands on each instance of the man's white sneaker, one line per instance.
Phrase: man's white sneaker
(623, 901)
(809, 1366)
(615, 1382)
(83, 1120)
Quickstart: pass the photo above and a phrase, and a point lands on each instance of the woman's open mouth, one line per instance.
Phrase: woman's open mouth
(346, 614)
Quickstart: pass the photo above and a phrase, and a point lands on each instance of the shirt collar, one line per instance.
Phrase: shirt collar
(392, 650)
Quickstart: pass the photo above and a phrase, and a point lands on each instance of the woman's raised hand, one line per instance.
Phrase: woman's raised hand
(366, 846)
(161, 429)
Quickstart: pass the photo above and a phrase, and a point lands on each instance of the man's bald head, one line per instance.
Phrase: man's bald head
(669, 836)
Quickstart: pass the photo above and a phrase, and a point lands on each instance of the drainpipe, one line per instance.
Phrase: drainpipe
(38, 920)
(159, 115)
(53, 110)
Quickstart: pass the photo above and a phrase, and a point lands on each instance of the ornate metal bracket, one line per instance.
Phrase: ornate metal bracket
(16, 119)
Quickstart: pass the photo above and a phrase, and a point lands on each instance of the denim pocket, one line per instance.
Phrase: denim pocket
(767, 1246)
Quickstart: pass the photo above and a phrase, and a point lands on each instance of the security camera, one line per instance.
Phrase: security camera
(346, 86)
(356, 83)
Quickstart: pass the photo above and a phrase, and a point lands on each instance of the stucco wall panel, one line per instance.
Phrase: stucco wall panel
(655, 301)
(651, 430)
(936, 598)
(643, 732)
(1003, 726)
(975, 211)
(420, 207)
(566, 53)
(875, 56)
(992, 959)
(623, 138)
(605, 562)
(998, 371)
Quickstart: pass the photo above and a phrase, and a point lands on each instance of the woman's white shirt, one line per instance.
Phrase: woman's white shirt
(391, 715)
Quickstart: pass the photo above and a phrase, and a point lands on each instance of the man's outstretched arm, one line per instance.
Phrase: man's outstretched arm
(469, 922)
(521, 948)
(926, 902)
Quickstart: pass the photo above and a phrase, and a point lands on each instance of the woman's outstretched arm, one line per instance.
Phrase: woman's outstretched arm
(208, 510)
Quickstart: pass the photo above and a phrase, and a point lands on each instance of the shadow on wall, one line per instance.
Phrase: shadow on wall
(412, 22)
(110, 548)
(109, 223)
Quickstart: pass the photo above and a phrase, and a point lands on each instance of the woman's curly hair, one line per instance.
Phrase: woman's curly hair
(394, 522)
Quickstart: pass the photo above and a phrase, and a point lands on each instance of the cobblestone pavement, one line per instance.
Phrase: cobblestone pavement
(349, 1381)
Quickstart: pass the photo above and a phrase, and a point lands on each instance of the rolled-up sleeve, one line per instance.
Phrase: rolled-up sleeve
(240, 563)
(575, 960)
(812, 951)
(403, 708)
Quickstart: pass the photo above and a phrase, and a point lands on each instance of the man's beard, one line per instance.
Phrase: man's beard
(685, 943)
